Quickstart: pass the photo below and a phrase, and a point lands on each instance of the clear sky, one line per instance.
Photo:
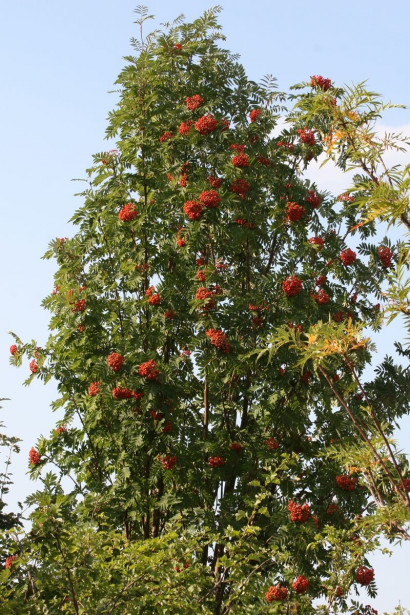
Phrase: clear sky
(60, 59)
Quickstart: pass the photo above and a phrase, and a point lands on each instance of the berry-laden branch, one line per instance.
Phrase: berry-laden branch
(364, 436)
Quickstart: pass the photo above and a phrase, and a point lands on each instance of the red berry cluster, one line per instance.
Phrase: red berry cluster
(406, 482)
(385, 255)
(317, 241)
(307, 136)
(9, 561)
(115, 361)
(320, 280)
(271, 444)
(277, 593)
(347, 257)
(321, 297)
(364, 575)
(241, 161)
(314, 199)
(94, 389)
(294, 212)
(128, 212)
(210, 198)
(34, 457)
(193, 209)
(254, 114)
(345, 198)
(236, 446)
(165, 136)
(317, 81)
(215, 182)
(185, 127)
(33, 366)
(291, 286)
(237, 147)
(194, 102)
(168, 461)
(332, 508)
(170, 314)
(298, 513)
(286, 145)
(79, 306)
(244, 222)
(61, 429)
(181, 241)
(216, 462)
(300, 585)
(346, 482)
(206, 124)
(148, 370)
(240, 186)
(264, 161)
(13, 349)
(218, 339)
(203, 294)
(121, 393)
(154, 299)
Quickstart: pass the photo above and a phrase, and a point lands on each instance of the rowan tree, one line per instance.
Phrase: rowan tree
(225, 446)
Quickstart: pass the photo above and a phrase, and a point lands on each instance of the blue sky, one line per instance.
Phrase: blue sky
(60, 60)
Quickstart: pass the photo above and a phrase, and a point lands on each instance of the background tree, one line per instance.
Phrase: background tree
(206, 340)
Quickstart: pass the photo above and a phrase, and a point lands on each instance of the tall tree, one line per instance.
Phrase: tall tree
(207, 318)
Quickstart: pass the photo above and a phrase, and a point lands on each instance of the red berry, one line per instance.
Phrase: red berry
(128, 212)
(79, 306)
(218, 339)
(193, 209)
(294, 212)
(216, 462)
(254, 114)
(291, 286)
(115, 361)
(210, 198)
(9, 561)
(148, 370)
(317, 241)
(300, 585)
(93, 389)
(34, 457)
(317, 81)
(165, 136)
(241, 161)
(33, 366)
(236, 446)
(121, 393)
(347, 257)
(271, 444)
(185, 127)
(13, 349)
(307, 136)
(298, 513)
(206, 124)
(314, 199)
(215, 182)
(345, 482)
(194, 102)
(277, 593)
(364, 575)
(385, 255)
(240, 186)
(168, 461)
